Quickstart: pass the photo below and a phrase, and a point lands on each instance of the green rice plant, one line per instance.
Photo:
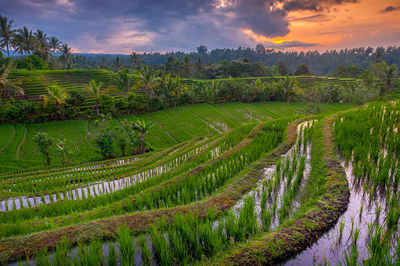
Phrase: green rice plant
(266, 217)
(264, 197)
(233, 231)
(160, 244)
(83, 256)
(356, 235)
(377, 249)
(60, 256)
(378, 211)
(111, 259)
(187, 227)
(350, 258)
(341, 227)
(361, 209)
(144, 250)
(126, 245)
(211, 240)
(247, 218)
(376, 156)
(178, 248)
(42, 258)
(96, 253)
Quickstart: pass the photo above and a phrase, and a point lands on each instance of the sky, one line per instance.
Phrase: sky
(123, 26)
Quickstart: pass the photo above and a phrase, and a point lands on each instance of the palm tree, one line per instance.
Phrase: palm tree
(95, 91)
(212, 90)
(290, 87)
(27, 110)
(146, 78)
(134, 60)
(5, 82)
(24, 41)
(65, 51)
(142, 127)
(118, 63)
(6, 33)
(55, 45)
(124, 81)
(56, 95)
(171, 87)
(389, 74)
(42, 48)
(187, 63)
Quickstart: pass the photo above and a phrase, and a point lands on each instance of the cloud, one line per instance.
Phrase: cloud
(292, 44)
(313, 5)
(288, 45)
(389, 9)
(314, 18)
(258, 16)
(120, 26)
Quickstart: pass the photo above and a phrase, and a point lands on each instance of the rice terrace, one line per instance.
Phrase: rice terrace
(128, 142)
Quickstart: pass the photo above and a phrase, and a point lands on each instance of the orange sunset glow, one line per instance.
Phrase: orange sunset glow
(346, 26)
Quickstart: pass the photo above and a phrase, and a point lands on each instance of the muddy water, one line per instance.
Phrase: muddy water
(361, 212)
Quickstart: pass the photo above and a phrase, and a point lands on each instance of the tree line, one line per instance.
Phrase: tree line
(147, 90)
(222, 63)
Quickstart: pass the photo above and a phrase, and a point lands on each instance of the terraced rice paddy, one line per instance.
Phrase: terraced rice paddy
(254, 184)
(170, 127)
(186, 173)
(35, 82)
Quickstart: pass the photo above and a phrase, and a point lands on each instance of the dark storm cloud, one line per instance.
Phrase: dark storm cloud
(258, 16)
(149, 25)
(389, 9)
(313, 5)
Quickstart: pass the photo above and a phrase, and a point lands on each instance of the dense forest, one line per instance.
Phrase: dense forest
(328, 63)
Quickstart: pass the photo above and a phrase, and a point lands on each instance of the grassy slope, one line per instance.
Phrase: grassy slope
(74, 131)
(6, 133)
(174, 125)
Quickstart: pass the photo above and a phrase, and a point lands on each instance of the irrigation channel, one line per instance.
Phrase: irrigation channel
(366, 213)
(101, 187)
(273, 198)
